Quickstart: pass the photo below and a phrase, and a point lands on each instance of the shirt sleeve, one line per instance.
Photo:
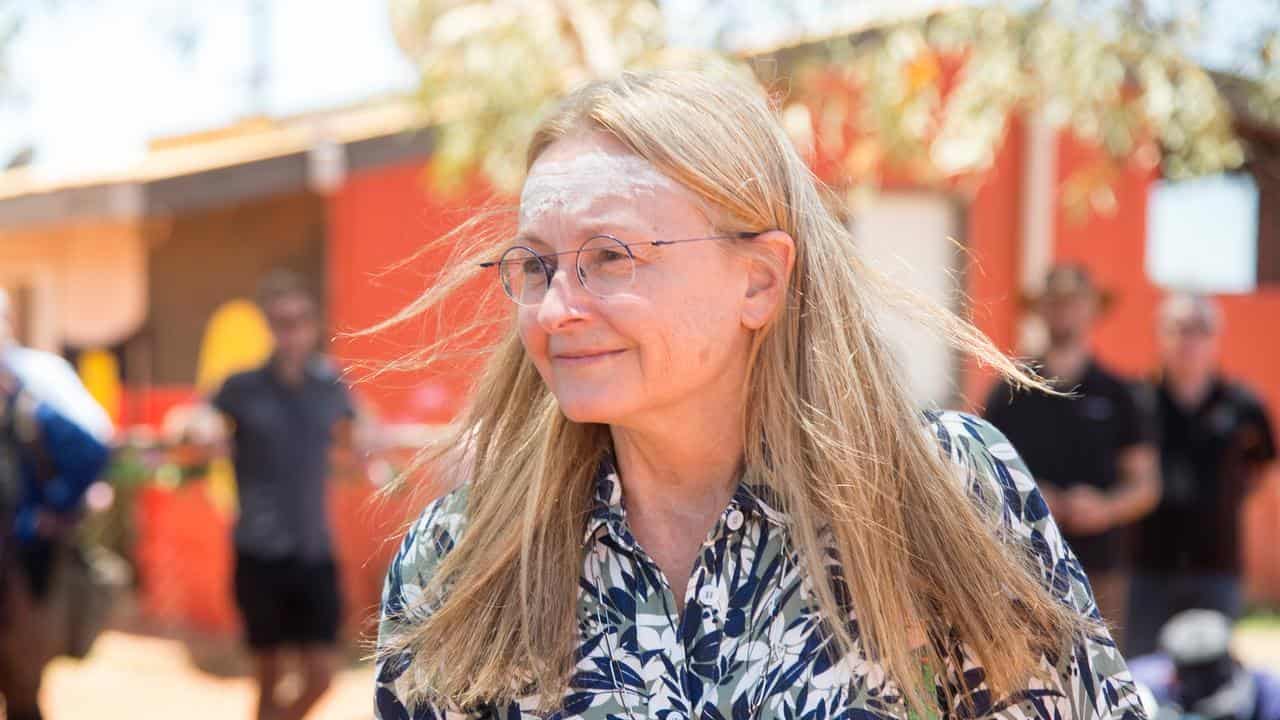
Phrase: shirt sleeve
(1258, 436)
(226, 400)
(77, 458)
(346, 404)
(69, 458)
(999, 400)
(1134, 423)
(427, 542)
(1091, 681)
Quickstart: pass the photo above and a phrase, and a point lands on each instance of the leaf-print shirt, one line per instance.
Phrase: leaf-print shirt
(749, 643)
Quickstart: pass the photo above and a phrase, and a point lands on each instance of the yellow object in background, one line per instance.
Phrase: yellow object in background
(222, 486)
(236, 338)
(100, 372)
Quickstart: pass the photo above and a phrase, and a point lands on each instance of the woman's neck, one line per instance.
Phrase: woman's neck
(677, 477)
(1067, 363)
(1189, 389)
(678, 467)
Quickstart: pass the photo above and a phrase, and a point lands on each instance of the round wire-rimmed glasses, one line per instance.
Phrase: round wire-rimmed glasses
(604, 266)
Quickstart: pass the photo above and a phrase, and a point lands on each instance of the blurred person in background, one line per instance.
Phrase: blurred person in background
(1215, 444)
(52, 447)
(289, 426)
(1092, 452)
(49, 378)
(1195, 674)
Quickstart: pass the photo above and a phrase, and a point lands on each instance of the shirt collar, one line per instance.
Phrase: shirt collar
(1217, 389)
(609, 512)
(317, 367)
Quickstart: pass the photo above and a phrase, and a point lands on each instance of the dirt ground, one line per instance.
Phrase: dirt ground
(143, 678)
(140, 678)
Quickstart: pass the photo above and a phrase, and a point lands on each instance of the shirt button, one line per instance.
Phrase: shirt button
(735, 519)
(709, 596)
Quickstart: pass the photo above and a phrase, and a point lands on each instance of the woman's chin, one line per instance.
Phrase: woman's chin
(601, 410)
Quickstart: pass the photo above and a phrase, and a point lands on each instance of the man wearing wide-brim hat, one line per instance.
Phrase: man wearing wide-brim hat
(1092, 450)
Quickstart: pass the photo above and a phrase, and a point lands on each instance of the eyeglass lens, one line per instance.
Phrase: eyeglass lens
(604, 266)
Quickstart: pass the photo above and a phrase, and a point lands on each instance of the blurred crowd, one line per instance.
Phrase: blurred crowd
(1146, 477)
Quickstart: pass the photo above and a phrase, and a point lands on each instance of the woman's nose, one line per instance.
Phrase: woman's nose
(563, 303)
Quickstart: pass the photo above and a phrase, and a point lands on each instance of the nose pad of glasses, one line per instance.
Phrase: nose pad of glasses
(548, 276)
(569, 287)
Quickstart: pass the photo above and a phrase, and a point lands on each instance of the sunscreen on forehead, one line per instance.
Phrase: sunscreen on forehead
(573, 184)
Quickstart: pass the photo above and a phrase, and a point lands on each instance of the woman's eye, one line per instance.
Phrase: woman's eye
(612, 255)
(531, 266)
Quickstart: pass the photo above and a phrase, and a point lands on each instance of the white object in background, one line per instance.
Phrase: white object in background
(909, 236)
(1039, 213)
(50, 379)
(326, 165)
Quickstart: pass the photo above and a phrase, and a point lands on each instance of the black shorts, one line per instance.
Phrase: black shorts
(287, 602)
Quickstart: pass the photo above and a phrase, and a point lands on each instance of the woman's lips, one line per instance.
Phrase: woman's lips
(581, 359)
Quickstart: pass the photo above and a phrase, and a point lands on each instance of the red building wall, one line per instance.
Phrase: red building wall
(377, 220)
(992, 237)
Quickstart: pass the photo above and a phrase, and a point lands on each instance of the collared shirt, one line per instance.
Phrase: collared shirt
(280, 446)
(1208, 456)
(749, 643)
(1090, 431)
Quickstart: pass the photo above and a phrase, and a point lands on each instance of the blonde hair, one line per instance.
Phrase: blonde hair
(845, 445)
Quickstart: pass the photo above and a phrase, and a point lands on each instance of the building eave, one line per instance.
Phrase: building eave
(229, 168)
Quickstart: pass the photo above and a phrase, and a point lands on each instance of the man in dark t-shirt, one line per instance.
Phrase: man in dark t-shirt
(1215, 443)
(285, 421)
(1091, 452)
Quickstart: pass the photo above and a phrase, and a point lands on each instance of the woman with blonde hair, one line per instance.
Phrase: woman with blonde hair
(691, 483)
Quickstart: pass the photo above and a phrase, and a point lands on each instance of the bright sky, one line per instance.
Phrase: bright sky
(103, 76)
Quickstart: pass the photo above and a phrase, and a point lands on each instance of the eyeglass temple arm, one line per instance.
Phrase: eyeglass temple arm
(730, 236)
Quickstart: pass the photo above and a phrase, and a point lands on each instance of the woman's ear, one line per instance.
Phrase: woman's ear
(769, 261)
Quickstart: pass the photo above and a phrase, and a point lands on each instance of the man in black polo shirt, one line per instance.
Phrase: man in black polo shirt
(1091, 453)
(285, 419)
(1215, 443)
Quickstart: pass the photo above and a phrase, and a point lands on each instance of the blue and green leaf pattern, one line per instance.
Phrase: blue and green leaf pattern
(749, 643)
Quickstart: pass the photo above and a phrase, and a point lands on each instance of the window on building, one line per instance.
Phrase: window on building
(911, 237)
(1203, 234)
